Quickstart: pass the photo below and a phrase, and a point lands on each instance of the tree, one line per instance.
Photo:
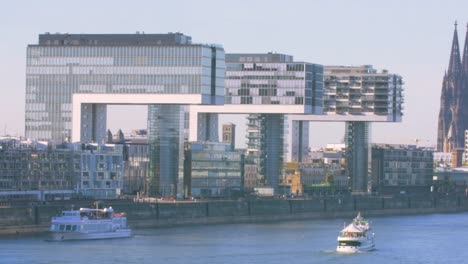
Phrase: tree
(329, 178)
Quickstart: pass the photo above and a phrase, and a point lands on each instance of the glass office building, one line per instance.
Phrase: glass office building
(273, 79)
(213, 170)
(62, 66)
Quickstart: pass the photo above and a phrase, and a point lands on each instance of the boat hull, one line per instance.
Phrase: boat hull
(356, 249)
(63, 236)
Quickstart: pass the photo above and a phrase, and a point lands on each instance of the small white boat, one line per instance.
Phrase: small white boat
(356, 237)
(89, 223)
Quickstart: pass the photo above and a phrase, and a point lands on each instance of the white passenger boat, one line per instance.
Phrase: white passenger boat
(356, 237)
(89, 223)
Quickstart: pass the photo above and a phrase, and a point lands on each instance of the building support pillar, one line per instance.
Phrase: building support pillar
(93, 123)
(166, 150)
(207, 127)
(274, 148)
(358, 155)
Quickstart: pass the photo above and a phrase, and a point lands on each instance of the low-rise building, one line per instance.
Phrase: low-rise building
(101, 170)
(401, 169)
(291, 179)
(32, 170)
(212, 170)
(451, 181)
(323, 178)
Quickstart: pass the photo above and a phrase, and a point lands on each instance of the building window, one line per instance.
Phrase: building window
(246, 100)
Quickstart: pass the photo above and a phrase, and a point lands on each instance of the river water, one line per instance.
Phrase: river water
(434, 238)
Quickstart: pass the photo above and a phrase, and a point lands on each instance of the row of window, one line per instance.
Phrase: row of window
(121, 51)
(118, 61)
(266, 100)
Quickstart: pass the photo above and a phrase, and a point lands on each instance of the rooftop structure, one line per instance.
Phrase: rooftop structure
(137, 39)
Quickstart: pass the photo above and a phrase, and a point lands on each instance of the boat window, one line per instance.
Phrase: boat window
(68, 227)
(62, 227)
(73, 228)
(350, 243)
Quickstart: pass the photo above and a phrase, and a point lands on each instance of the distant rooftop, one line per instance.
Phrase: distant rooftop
(258, 57)
(363, 69)
(139, 38)
(400, 146)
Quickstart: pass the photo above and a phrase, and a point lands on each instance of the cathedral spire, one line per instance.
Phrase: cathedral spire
(465, 52)
(455, 63)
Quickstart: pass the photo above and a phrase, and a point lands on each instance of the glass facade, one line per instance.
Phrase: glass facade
(215, 170)
(136, 167)
(273, 79)
(167, 133)
(358, 155)
(62, 65)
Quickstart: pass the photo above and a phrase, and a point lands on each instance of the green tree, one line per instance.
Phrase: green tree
(329, 178)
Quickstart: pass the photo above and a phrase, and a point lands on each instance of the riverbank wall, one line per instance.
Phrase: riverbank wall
(28, 219)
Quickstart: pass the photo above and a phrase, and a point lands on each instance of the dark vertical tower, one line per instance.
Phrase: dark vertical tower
(452, 116)
(465, 54)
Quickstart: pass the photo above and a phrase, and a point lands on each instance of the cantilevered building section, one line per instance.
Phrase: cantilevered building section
(273, 79)
(363, 91)
(71, 78)
(276, 81)
(99, 69)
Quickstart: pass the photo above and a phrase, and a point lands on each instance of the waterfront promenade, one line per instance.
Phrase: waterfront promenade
(35, 218)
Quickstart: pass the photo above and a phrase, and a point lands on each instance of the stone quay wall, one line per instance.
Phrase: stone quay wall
(36, 218)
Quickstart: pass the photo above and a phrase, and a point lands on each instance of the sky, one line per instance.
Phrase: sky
(410, 38)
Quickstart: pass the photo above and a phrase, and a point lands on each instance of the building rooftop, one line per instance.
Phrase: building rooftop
(400, 146)
(363, 69)
(139, 38)
(258, 57)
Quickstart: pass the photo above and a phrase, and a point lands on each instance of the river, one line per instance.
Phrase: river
(433, 238)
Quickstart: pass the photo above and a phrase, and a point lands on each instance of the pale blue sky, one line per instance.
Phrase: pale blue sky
(411, 38)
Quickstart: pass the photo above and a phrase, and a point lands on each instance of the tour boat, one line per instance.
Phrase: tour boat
(356, 237)
(89, 223)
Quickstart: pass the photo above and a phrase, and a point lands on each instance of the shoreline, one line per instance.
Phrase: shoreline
(138, 224)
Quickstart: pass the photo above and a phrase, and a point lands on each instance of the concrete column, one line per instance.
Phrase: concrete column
(207, 127)
(299, 141)
(93, 123)
(358, 155)
(271, 159)
(296, 138)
